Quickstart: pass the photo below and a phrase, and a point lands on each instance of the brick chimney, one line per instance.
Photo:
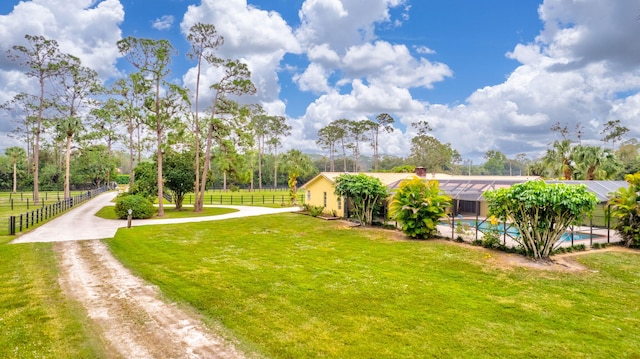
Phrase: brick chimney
(421, 172)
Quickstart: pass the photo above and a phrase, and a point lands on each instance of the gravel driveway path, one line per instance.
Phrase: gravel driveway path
(130, 315)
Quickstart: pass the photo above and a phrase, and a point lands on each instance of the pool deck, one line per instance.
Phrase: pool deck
(600, 235)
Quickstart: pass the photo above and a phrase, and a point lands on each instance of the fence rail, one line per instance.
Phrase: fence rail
(24, 221)
(245, 199)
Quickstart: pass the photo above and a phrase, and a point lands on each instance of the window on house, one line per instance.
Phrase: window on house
(308, 196)
(339, 202)
(325, 199)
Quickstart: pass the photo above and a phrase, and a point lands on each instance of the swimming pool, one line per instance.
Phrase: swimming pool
(513, 232)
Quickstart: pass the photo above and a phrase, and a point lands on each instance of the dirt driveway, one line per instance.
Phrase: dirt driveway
(131, 316)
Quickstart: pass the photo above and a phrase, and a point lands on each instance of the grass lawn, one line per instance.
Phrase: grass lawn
(108, 212)
(13, 204)
(292, 286)
(36, 321)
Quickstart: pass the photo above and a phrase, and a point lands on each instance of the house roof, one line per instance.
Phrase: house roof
(471, 188)
(387, 178)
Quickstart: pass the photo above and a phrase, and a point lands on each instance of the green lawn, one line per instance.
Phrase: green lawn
(170, 212)
(292, 286)
(13, 204)
(36, 321)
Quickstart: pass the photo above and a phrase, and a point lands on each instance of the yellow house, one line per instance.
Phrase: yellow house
(319, 191)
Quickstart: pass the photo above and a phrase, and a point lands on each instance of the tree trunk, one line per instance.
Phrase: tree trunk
(275, 168)
(224, 181)
(197, 137)
(207, 163)
(67, 161)
(15, 175)
(159, 137)
(131, 154)
(260, 152)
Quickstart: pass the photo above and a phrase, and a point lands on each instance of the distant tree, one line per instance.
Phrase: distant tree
(557, 160)
(79, 84)
(278, 128)
(105, 124)
(628, 150)
(495, 162)
(358, 132)
(129, 94)
(388, 163)
(204, 40)
(364, 192)
(16, 154)
(93, 165)
(260, 127)
(328, 137)
(236, 80)
(523, 162)
(384, 122)
(593, 162)
(540, 212)
(428, 152)
(418, 206)
(404, 169)
(67, 128)
(23, 109)
(152, 58)
(628, 154)
(340, 131)
(613, 131)
(43, 59)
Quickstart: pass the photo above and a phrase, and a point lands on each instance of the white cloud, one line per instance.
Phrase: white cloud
(261, 38)
(382, 61)
(163, 23)
(81, 28)
(314, 79)
(342, 23)
(88, 29)
(578, 70)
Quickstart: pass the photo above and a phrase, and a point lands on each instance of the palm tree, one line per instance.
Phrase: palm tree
(625, 206)
(558, 159)
(68, 127)
(15, 153)
(297, 165)
(594, 162)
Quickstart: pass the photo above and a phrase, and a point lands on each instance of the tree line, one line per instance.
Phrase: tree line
(71, 123)
(72, 115)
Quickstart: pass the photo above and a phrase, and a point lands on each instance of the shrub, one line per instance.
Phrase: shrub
(625, 208)
(364, 192)
(314, 211)
(418, 206)
(540, 212)
(599, 245)
(140, 206)
(491, 241)
(122, 179)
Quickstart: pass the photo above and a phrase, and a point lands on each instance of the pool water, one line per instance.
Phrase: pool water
(485, 226)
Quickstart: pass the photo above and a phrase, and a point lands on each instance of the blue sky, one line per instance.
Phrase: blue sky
(486, 74)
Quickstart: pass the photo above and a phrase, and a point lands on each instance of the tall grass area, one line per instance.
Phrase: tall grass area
(292, 286)
(36, 321)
